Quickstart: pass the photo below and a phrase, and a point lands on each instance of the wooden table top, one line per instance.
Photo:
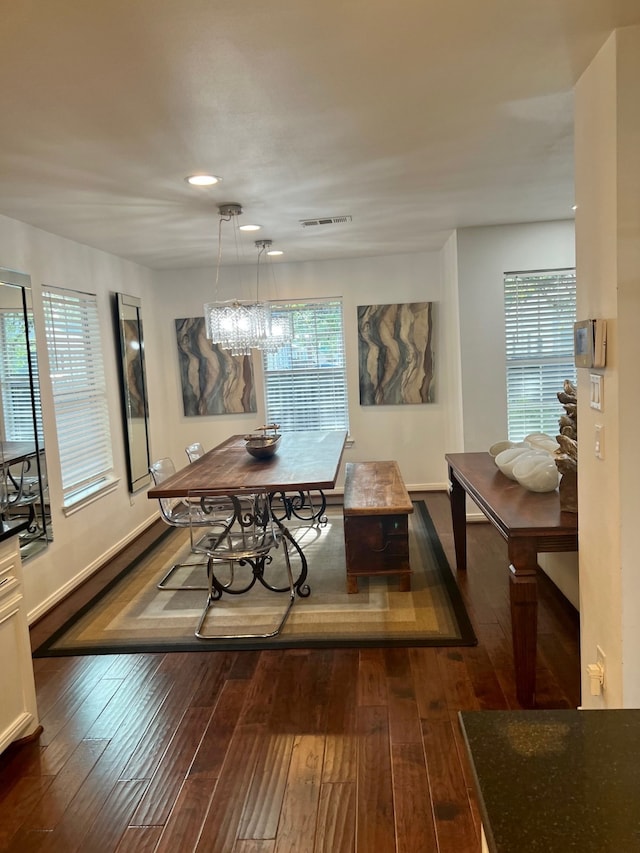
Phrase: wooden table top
(512, 507)
(305, 460)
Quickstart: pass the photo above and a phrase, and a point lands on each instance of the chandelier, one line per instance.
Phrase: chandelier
(236, 324)
(242, 325)
(280, 332)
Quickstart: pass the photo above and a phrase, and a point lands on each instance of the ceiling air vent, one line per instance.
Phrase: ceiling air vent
(325, 220)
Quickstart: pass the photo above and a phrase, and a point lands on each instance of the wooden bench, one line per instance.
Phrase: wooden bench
(376, 522)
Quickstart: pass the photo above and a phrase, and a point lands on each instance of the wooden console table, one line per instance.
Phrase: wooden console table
(531, 523)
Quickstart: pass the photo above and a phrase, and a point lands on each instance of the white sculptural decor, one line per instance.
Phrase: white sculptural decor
(499, 446)
(537, 472)
(542, 441)
(508, 458)
(530, 462)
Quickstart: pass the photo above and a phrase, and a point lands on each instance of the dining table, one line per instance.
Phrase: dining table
(12, 452)
(305, 461)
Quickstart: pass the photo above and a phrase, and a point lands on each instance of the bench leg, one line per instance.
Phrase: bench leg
(405, 583)
(352, 583)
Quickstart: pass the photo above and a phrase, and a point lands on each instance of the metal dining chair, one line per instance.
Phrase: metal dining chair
(176, 512)
(18, 500)
(244, 539)
(194, 451)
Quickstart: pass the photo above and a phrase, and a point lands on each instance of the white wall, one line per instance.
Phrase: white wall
(484, 256)
(608, 267)
(82, 540)
(628, 125)
(451, 383)
(414, 435)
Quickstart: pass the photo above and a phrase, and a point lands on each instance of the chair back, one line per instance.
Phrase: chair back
(240, 525)
(194, 451)
(160, 471)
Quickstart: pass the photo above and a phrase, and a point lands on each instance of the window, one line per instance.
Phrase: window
(79, 392)
(19, 408)
(305, 381)
(540, 310)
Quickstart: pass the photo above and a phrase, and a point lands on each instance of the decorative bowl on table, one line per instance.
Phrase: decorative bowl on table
(263, 443)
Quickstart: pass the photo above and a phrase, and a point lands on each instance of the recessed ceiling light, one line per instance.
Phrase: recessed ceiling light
(249, 227)
(275, 252)
(575, 207)
(202, 180)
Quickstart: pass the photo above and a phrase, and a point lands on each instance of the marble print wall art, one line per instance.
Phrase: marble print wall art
(214, 382)
(395, 354)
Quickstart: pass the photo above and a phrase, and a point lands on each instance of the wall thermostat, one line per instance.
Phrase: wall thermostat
(590, 343)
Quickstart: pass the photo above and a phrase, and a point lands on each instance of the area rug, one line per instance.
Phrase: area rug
(133, 615)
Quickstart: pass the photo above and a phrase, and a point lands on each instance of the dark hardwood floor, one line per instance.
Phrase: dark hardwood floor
(273, 751)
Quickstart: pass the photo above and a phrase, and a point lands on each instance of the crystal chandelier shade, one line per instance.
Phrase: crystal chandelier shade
(280, 334)
(237, 326)
(242, 325)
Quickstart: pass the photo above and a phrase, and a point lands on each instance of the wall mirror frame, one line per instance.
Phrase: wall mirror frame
(135, 404)
(25, 510)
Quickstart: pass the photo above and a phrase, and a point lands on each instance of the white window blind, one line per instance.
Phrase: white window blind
(18, 408)
(540, 310)
(79, 391)
(305, 382)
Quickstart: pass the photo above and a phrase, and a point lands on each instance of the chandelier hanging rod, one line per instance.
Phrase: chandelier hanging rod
(262, 245)
(226, 213)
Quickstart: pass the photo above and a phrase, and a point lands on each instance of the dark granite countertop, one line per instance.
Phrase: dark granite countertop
(557, 781)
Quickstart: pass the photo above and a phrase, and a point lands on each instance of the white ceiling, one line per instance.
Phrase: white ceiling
(411, 116)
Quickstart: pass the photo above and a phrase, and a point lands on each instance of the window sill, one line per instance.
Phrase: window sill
(88, 496)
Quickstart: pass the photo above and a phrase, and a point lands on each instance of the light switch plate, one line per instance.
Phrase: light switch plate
(599, 441)
(596, 394)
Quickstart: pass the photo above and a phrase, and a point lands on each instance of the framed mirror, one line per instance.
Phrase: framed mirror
(134, 390)
(25, 510)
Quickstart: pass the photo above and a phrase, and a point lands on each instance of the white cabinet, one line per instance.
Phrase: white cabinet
(18, 711)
